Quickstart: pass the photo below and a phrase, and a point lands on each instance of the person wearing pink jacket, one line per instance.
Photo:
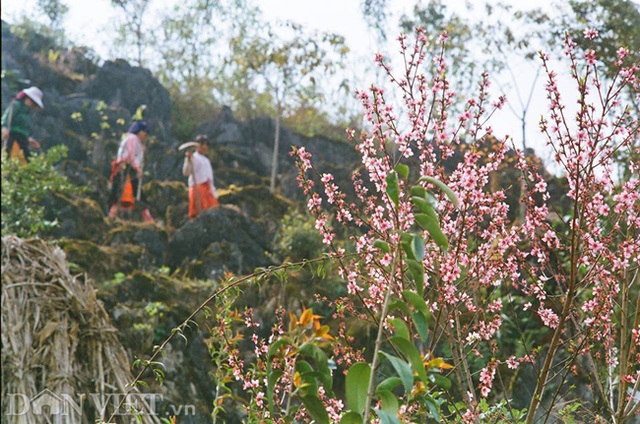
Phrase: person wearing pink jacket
(129, 163)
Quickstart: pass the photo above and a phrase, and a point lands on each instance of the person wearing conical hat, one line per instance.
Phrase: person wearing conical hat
(197, 166)
(16, 123)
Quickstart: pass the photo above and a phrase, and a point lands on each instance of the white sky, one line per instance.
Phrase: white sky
(87, 23)
(86, 17)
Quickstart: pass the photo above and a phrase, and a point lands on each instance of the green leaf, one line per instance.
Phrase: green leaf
(316, 409)
(430, 222)
(417, 247)
(421, 325)
(433, 407)
(139, 115)
(440, 381)
(386, 417)
(351, 417)
(442, 186)
(389, 384)
(357, 383)
(388, 401)
(418, 191)
(403, 369)
(304, 368)
(272, 379)
(410, 351)
(275, 347)
(382, 245)
(436, 234)
(403, 170)
(406, 240)
(322, 365)
(393, 190)
(422, 204)
(413, 246)
(416, 272)
(400, 328)
(425, 219)
(417, 302)
(399, 305)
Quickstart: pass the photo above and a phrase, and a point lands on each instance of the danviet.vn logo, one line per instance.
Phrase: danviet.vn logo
(70, 408)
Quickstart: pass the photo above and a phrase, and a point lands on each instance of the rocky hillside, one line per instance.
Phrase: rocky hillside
(149, 277)
(88, 107)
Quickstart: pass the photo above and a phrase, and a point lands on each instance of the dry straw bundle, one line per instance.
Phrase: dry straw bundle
(61, 359)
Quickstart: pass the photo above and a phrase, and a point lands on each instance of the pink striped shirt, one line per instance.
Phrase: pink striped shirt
(131, 151)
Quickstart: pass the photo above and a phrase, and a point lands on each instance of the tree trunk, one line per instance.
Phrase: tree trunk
(276, 145)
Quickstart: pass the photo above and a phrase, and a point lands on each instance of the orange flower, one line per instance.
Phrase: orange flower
(306, 318)
(310, 321)
(322, 332)
(438, 363)
(293, 321)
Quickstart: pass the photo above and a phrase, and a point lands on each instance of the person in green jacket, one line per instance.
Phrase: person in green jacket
(16, 121)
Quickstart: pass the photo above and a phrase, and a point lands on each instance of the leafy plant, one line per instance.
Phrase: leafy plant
(26, 187)
(298, 239)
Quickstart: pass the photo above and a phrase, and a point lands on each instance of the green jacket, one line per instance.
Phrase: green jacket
(18, 114)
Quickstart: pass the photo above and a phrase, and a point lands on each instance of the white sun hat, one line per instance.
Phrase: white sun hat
(35, 94)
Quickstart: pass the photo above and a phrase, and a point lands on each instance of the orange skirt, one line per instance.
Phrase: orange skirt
(203, 200)
(17, 153)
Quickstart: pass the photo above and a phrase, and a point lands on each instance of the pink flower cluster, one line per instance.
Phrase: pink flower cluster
(487, 374)
(567, 259)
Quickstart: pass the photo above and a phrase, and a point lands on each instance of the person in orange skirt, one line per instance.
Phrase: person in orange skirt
(16, 124)
(202, 191)
(126, 171)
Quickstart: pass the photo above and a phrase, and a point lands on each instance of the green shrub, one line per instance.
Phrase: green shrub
(298, 239)
(25, 187)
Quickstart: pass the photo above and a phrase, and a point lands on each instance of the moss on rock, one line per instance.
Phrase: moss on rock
(151, 238)
(101, 262)
(163, 195)
(79, 218)
(259, 205)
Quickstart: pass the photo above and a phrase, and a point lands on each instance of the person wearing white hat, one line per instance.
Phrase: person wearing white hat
(197, 166)
(16, 123)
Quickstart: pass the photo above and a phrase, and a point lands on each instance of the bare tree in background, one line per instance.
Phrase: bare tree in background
(286, 66)
(375, 15)
(55, 10)
(134, 13)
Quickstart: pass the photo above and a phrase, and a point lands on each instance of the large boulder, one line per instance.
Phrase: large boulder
(119, 84)
(87, 107)
(101, 262)
(223, 240)
(95, 184)
(259, 206)
(77, 218)
(168, 201)
(242, 153)
(151, 238)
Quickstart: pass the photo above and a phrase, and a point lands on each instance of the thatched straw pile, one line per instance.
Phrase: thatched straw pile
(61, 358)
